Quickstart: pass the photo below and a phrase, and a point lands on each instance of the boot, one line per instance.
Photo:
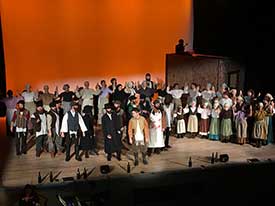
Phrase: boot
(149, 152)
(144, 160)
(109, 156)
(52, 154)
(136, 159)
(77, 157)
(38, 153)
(86, 154)
(118, 156)
(157, 151)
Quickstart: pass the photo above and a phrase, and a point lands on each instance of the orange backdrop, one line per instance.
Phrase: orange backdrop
(69, 41)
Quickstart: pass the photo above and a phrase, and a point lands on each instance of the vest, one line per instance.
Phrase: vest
(193, 113)
(52, 114)
(73, 121)
(21, 122)
(37, 125)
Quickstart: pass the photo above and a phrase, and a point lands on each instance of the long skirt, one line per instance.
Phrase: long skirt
(204, 126)
(226, 127)
(241, 128)
(214, 129)
(192, 125)
(156, 139)
(260, 130)
(181, 126)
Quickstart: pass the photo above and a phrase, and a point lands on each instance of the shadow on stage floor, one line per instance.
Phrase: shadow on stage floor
(231, 183)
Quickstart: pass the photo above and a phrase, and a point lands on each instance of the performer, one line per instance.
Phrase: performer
(10, 102)
(39, 121)
(176, 93)
(260, 127)
(112, 87)
(29, 98)
(138, 133)
(72, 123)
(144, 106)
(88, 143)
(157, 127)
(120, 95)
(215, 121)
(54, 138)
(66, 98)
(180, 122)
(204, 120)
(240, 114)
(20, 120)
(226, 116)
(168, 108)
(111, 133)
(46, 98)
(192, 125)
(207, 94)
(87, 94)
(121, 117)
(103, 99)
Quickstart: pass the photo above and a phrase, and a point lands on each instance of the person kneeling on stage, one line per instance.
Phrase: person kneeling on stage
(72, 123)
(111, 132)
(138, 132)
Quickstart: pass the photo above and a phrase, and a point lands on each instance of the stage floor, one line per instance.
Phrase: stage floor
(21, 170)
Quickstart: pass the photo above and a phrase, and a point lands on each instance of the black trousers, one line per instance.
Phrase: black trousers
(21, 142)
(41, 141)
(167, 135)
(69, 141)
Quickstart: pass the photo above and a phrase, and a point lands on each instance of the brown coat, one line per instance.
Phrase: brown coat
(143, 126)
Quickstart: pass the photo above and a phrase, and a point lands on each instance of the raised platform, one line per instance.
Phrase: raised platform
(21, 170)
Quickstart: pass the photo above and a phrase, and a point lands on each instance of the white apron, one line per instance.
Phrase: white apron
(156, 139)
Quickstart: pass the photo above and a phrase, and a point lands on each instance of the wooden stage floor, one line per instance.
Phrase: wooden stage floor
(21, 170)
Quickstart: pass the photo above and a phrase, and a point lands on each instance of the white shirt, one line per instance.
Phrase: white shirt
(64, 125)
(176, 93)
(87, 95)
(139, 134)
(28, 96)
(43, 119)
(169, 110)
(110, 116)
(17, 129)
(204, 113)
(224, 101)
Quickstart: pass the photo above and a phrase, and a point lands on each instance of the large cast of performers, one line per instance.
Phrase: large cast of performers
(140, 116)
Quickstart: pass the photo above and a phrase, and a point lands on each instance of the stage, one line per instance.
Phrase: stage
(21, 170)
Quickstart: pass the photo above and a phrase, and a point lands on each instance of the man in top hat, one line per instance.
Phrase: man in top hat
(20, 120)
(111, 132)
(54, 139)
(72, 123)
(39, 122)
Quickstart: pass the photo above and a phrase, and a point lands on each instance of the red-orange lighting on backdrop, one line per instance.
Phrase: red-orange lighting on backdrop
(55, 42)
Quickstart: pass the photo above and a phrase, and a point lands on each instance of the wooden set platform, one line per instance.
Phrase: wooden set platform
(21, 170)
